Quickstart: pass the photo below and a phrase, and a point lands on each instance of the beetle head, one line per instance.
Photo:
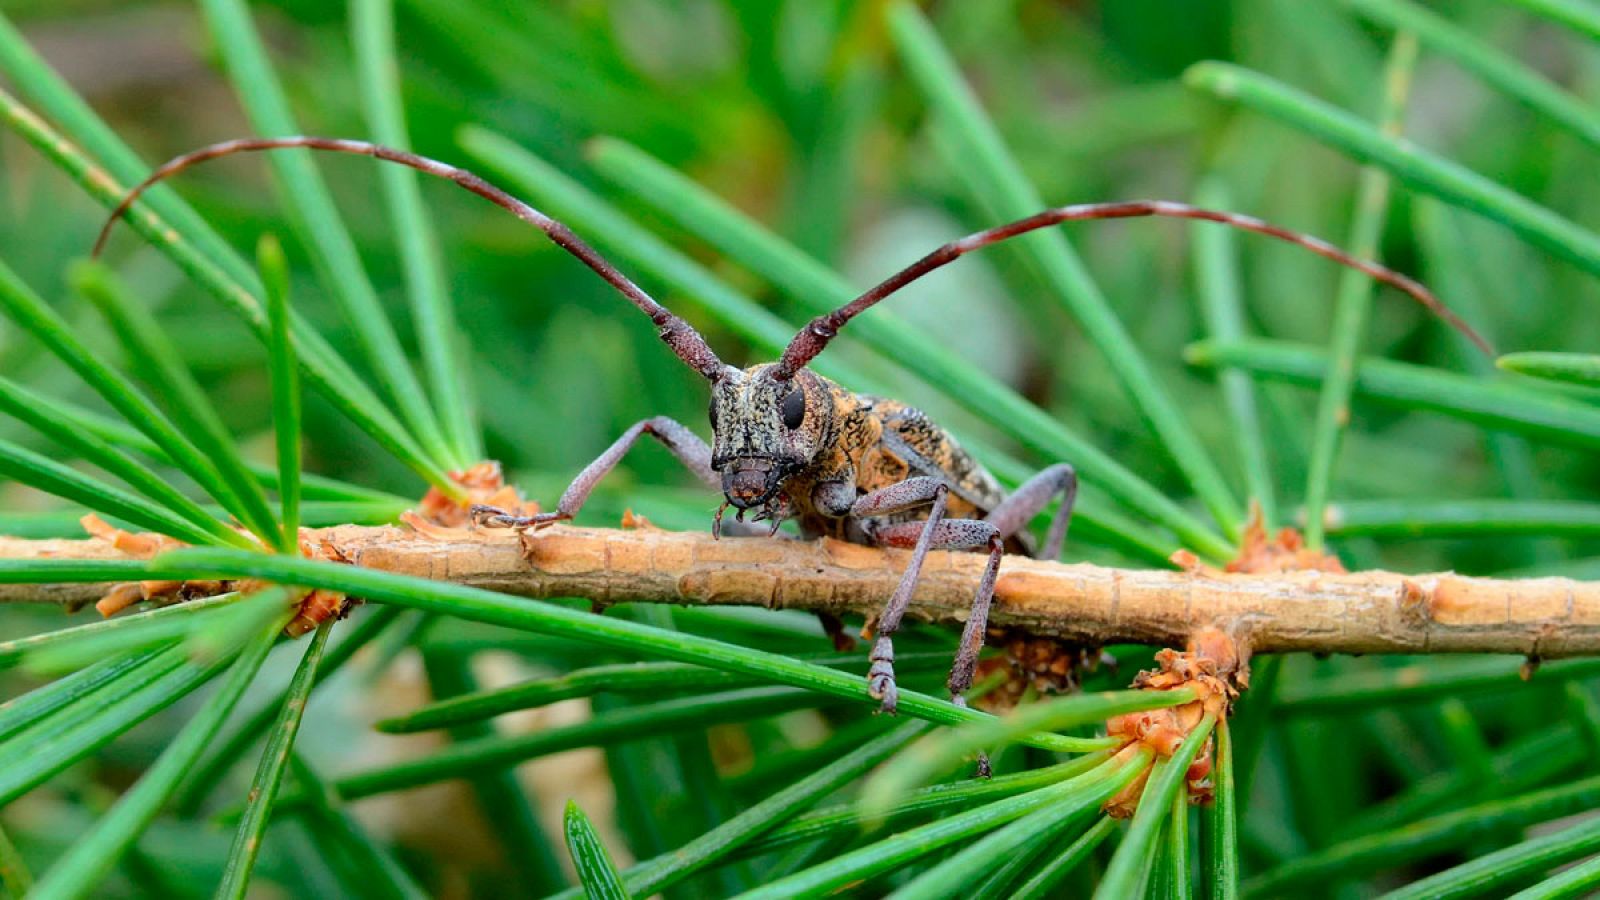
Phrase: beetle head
(765, 429)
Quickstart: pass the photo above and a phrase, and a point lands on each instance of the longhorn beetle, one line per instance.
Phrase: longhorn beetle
(788, 443)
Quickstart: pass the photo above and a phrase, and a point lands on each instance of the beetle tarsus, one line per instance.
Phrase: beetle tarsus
(483, 516)
(880, 678)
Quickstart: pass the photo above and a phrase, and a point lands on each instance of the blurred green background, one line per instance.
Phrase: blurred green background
(802, 115)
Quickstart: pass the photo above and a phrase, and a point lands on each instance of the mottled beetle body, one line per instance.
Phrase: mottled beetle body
(790, 444)
(842, 446)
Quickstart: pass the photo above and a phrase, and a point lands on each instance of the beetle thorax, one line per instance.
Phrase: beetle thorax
(765, 430)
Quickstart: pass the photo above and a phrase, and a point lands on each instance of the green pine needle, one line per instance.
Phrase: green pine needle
(597, 874)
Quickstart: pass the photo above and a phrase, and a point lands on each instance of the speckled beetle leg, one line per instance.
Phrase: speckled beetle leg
(1016, 511)
(684, 444)
(959, 534)
(908, 494)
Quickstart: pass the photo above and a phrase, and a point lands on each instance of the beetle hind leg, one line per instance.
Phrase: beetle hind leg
(1028, 500)
(976, 627)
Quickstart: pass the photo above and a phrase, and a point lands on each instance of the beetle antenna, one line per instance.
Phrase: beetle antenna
(815, 336)
(678, 334)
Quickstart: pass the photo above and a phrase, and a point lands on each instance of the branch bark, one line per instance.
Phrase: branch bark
(1361, 612)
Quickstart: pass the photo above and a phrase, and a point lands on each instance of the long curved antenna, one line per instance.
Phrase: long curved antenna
(815, 336)
(678, 334)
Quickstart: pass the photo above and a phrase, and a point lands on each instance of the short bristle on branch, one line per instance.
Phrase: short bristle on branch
(678, 334)
(815, 336)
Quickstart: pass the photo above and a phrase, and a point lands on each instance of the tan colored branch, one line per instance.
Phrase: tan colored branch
(71, 596)
(1362, 612)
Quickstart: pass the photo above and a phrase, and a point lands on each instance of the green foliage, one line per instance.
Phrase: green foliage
(754, 165)
(285, 390)
(1578, 368)
(269, 773)
(1353, 303)
(596, 872)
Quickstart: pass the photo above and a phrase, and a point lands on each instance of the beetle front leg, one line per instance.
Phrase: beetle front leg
(684, 444)
(908, 494)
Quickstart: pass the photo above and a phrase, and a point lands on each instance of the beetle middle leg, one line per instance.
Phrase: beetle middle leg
(684, 444)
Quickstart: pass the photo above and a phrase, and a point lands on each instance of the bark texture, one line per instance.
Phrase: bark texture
(1360, 612)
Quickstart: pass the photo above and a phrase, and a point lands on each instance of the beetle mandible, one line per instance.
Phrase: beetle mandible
(788, 443)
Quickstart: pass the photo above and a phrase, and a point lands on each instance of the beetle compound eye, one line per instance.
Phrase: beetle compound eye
(794, 409)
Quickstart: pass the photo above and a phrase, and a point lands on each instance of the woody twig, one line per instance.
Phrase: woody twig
(1328, 612)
